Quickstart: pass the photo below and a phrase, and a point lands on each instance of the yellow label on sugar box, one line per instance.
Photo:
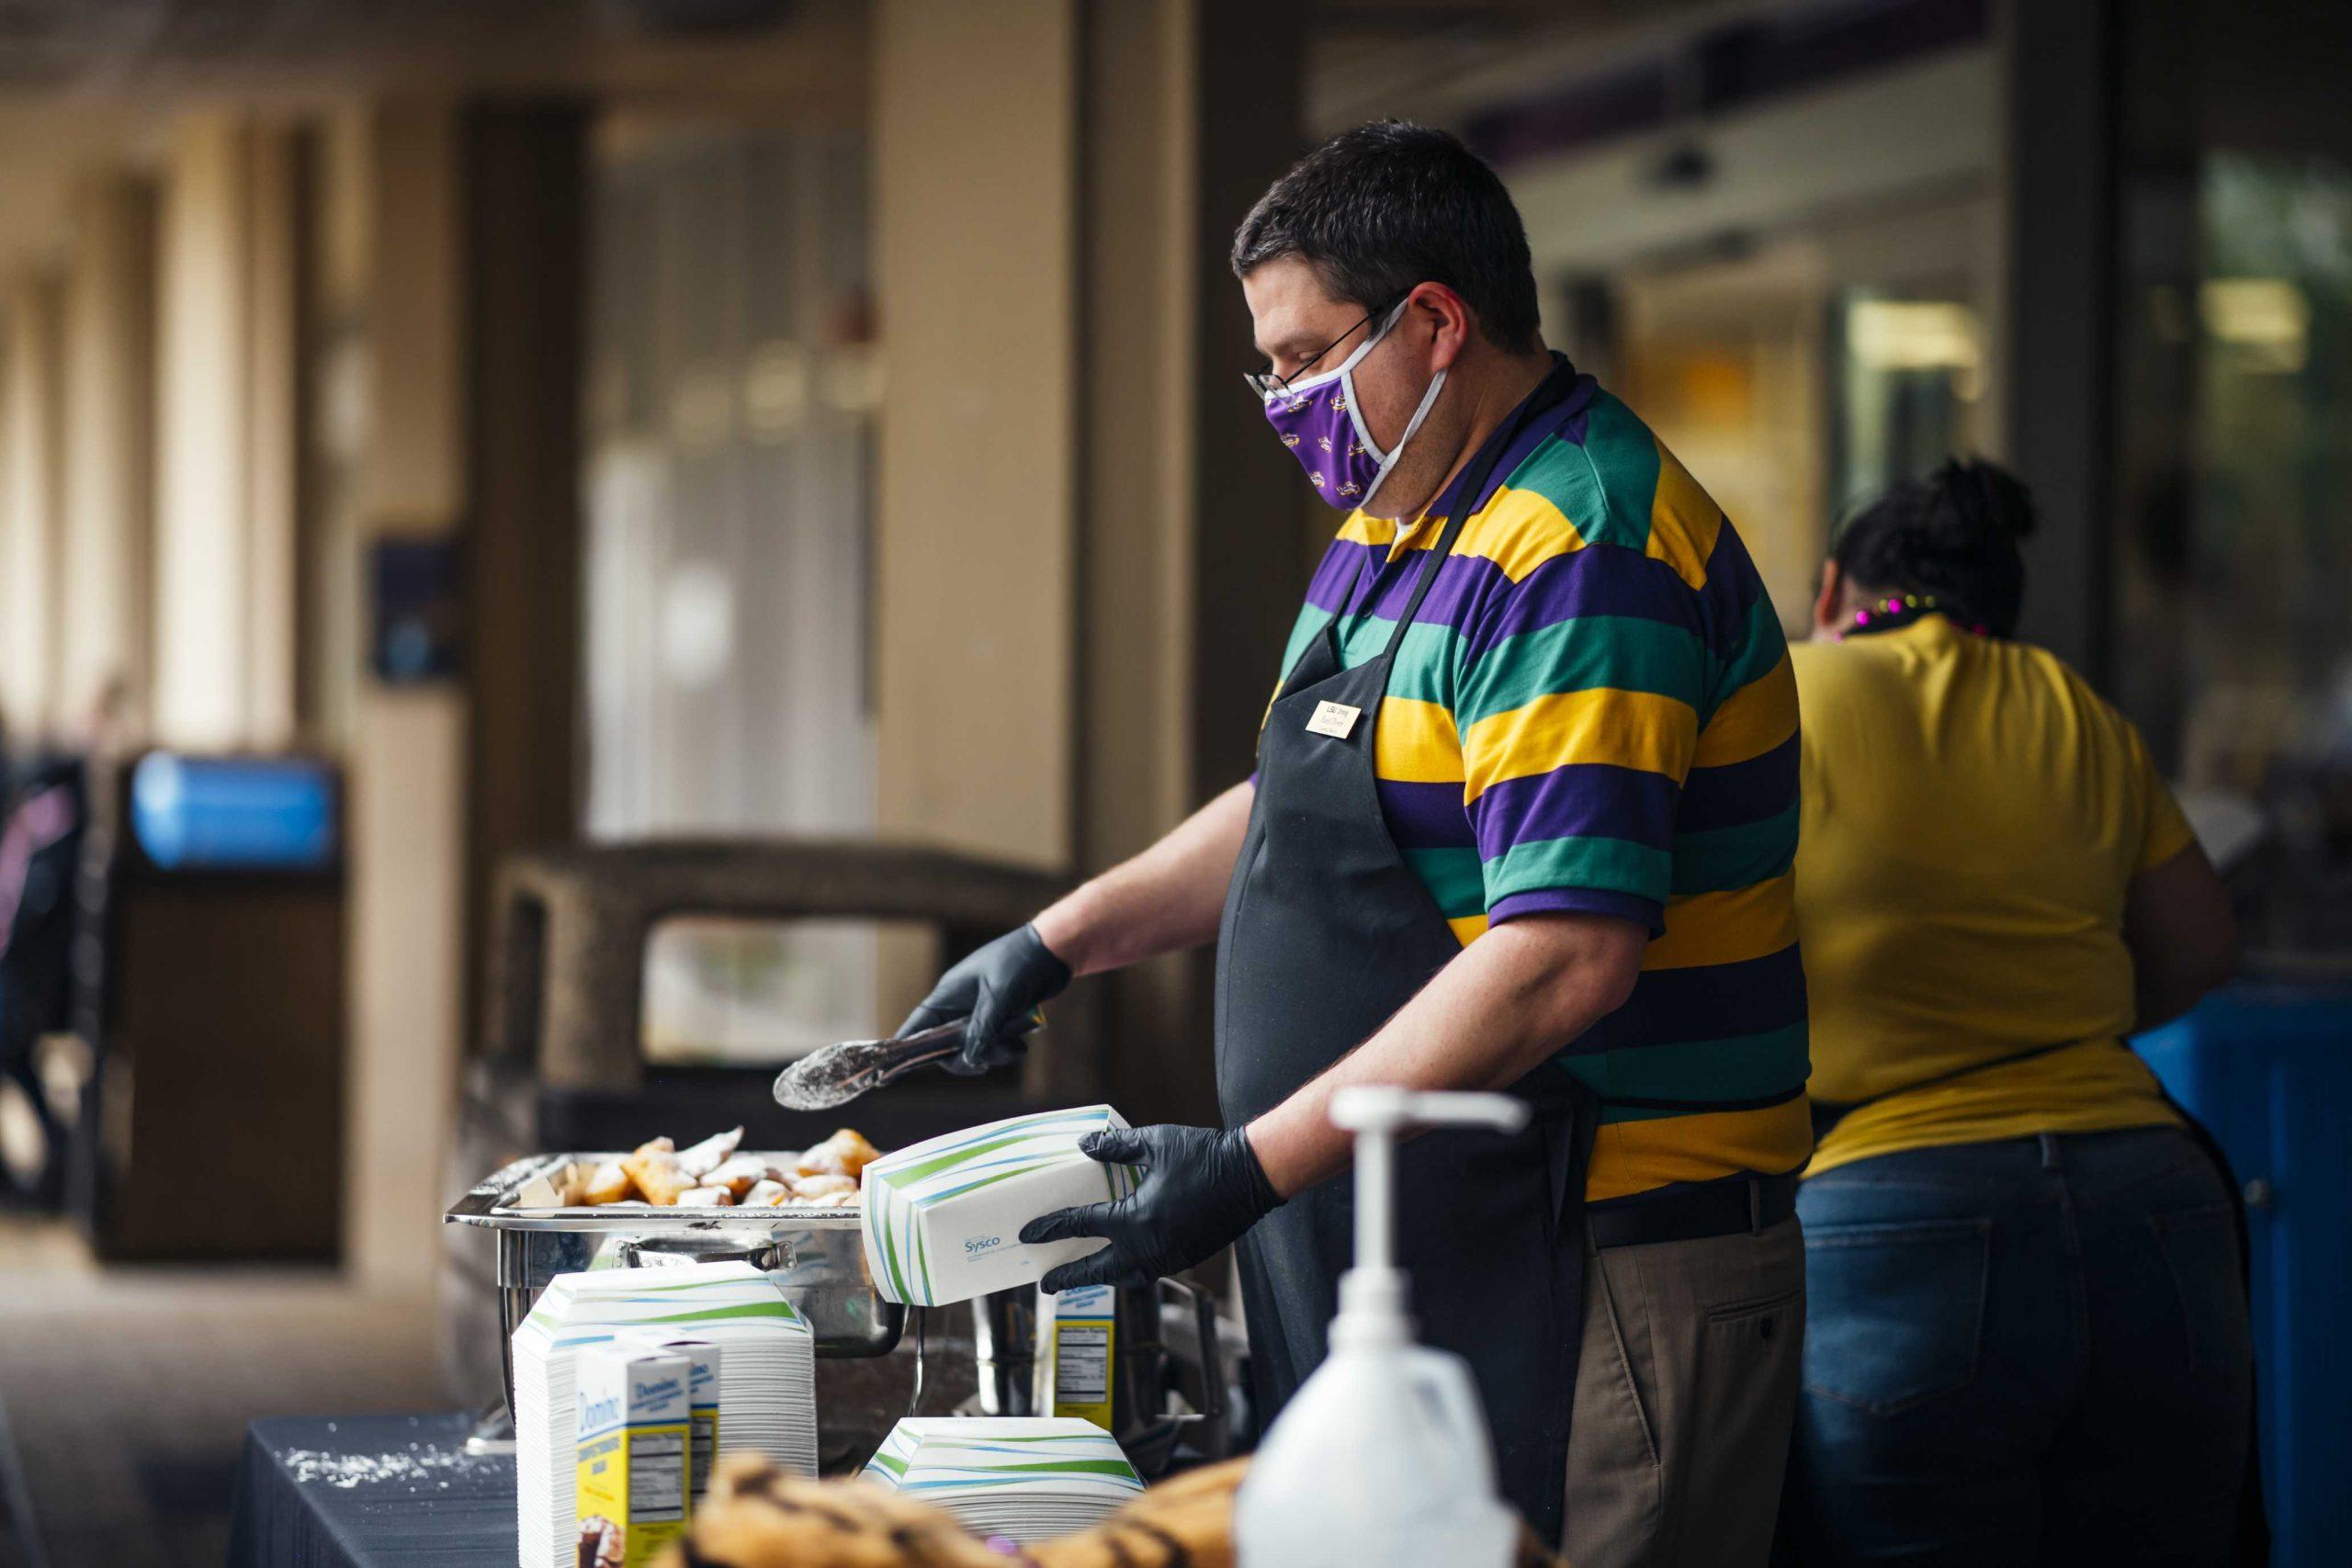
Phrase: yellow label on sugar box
(636, 1420)
(1077, 1351)
(701, 1395)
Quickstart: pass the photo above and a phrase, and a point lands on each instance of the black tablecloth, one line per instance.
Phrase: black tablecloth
(369, 1491)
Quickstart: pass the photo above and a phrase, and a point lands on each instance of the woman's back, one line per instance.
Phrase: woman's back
(1972, 814)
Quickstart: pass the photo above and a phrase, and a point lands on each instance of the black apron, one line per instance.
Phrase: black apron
(1326, 933)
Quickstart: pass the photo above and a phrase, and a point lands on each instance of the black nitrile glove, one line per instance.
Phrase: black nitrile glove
(997, 987)
(1201, 1187)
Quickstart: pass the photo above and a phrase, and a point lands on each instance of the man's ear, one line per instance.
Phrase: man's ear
(1446, 317)
(1828, 605)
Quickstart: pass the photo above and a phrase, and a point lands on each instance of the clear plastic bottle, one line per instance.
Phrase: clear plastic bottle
(1382, 1457)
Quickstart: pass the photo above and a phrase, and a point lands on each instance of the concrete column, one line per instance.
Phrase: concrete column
(225, 440)
(407, 751)
(1189, 515)
(528, 247)
(108, 444)
(29, 492)
(273, 437)
(974, 159)
(200, 556)
(2060, 222)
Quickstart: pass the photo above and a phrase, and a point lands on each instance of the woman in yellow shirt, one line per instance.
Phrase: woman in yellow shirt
(2026, 1339)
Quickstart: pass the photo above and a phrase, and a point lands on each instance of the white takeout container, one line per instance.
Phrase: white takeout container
(942, 1219)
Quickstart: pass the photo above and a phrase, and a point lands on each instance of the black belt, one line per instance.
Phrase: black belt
(1730, 1205)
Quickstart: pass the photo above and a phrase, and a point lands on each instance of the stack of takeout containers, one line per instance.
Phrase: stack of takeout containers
(942, 1219)
(1025, 1478)
(768, 1376)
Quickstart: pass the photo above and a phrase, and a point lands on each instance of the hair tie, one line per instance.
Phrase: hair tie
(1898, 610)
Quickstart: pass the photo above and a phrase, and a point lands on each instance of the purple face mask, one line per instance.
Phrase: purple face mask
(1318, 421)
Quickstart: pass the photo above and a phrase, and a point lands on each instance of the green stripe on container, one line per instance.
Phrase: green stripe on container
(777, 1308)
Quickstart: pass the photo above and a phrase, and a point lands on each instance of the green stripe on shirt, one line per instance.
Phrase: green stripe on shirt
(1723, 860)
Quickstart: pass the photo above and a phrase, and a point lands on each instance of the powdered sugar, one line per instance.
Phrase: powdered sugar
(420, 1466)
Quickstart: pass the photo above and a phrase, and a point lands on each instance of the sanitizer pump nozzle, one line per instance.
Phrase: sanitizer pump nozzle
(1382, 1457)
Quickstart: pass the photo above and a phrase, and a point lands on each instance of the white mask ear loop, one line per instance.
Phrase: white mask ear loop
(1355, 408)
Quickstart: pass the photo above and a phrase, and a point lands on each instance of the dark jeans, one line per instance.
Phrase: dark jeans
(2021, 1352)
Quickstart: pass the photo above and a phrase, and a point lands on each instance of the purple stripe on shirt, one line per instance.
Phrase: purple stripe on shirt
(1740, 793)
(1425, 816)
(1473, 590)
(1706, 1001)
(1595, 580)
(1732, 589)
(1345, 565)
(1647, 913)
(1577, 800)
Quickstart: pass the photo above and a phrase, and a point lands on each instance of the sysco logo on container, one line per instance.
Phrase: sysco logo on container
(976, 1245)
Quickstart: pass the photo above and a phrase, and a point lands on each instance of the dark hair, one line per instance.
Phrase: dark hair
(1954, 534)
(1379, 209)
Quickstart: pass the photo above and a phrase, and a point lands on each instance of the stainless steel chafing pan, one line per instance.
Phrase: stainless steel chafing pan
(816, 1254)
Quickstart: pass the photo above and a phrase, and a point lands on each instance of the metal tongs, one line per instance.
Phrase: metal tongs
(839, 1074)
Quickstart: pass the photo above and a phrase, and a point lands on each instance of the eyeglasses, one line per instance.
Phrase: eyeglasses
(1265, 383)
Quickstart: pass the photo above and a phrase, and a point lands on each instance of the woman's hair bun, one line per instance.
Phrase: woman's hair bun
(1981, 500)
(1954, 534)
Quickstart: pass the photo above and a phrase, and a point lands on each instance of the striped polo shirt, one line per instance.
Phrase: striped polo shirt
(1593, 711)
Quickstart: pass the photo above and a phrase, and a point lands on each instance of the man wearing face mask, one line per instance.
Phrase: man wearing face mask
(1522, 820)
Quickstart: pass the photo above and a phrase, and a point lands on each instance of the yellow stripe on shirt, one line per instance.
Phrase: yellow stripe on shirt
(1519, 531)
(1416, 742)
(1683, 521)
(1633, 1157)
(1726, 927)
(1604, 724)
(1752, 720)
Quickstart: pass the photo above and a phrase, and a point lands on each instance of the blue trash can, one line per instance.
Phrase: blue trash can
(2268, 1069)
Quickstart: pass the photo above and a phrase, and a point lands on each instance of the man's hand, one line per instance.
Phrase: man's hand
(1201, 1188)
(998, 988)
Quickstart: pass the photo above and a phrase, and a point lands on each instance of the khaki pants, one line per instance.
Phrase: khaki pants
(1685, 1397)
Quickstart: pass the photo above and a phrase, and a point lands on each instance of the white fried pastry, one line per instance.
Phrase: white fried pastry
(847, 1152)
(607, 1184)
(825, 1189)
(738, 1174)
(707, 1156)
(658, 1175)
(661, 1173)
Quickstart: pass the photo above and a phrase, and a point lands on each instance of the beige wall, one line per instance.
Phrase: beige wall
(29, 500)
(974, 208)
(108, 444)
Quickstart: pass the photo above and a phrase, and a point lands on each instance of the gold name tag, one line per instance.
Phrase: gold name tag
(1334, 719)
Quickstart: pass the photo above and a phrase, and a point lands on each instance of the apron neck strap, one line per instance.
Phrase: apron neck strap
(1548, 393)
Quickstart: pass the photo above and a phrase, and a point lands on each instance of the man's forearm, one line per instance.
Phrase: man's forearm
(1509, 1000)
(1166, 898)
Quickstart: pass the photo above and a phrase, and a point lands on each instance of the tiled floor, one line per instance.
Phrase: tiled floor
(124, 1392)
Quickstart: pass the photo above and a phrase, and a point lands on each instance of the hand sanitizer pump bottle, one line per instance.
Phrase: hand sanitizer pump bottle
(1382, 1457)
